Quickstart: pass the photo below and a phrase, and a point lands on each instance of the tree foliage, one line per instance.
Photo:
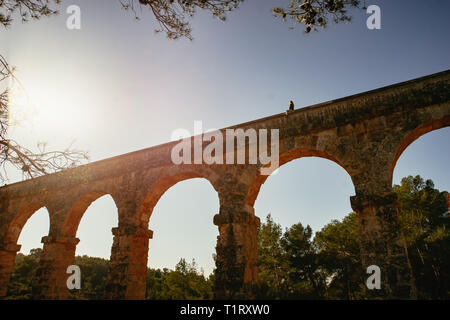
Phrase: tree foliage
(315, 14)
(185, 282)
(305, 273)
(273, 268)
(339, 249)
(93, 278)
(426, 226)
(25, 9)
(20, 283)
(172, 15)
(329, 266)
(288, 263)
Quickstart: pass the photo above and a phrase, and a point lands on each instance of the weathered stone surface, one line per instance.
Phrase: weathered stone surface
(7, 257)
(382, 244)
(50, 279)
(128, 265)
(365, 134)
(236, 260)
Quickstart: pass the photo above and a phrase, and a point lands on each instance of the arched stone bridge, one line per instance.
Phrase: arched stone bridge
(365, 134)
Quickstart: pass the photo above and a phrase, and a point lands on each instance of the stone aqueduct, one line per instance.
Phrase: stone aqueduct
(365, 134)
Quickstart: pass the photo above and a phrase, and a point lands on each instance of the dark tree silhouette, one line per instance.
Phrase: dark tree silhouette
(317, 13)
(25, 9)
(173, 15)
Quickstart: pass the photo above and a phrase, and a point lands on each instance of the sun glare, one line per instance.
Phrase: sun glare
(20, 109)
(43, 107)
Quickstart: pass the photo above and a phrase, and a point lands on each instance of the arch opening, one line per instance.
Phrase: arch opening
(21, 219)
(309, 205)
(421, 180)
(432, 125)
(93, 226)
(312, 172)
(159, 189)
(27, 229)
(285, 158)
(428, 155)
(183, 229)
(77, 212)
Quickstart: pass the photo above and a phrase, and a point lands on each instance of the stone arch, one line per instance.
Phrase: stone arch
(284, 158)
(19, 220)
(72, 220)
(182, 225)
(163, 184)
(415, 134)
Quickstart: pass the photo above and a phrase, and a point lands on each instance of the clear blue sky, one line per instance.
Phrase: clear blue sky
(116, 87)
